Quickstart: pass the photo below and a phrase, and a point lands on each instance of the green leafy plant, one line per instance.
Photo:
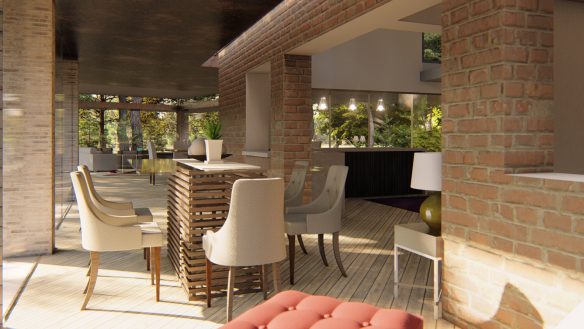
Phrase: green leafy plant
(212, 129)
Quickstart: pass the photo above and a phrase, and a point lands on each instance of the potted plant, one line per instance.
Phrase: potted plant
(213, 143)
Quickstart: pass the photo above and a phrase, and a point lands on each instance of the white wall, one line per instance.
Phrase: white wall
(257, 112)
(382, 60)
(569, 87)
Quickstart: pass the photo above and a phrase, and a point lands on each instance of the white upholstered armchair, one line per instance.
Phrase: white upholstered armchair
(101, 232)
(323, 215)
(253, 233)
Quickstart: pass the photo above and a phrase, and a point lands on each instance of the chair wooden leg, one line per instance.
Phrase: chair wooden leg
(291, 256)
(157, 263)
(88, 272)
(88, 265)
(92, 278)
(301, 243)
(230, 286)
(276, 274)
(264, 272)
(338, 253)
(321, 249)
(151, 264)
(148, 254)
(145, 252)
(209, 279)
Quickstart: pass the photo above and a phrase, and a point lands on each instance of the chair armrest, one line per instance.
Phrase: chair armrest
(117, 205)
(309, 208)
(119, 220)
(324, 222)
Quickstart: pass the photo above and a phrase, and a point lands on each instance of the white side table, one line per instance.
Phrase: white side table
(414, 238)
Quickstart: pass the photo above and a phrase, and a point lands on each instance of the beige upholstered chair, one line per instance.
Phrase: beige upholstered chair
(253, 233)
(113, 208)
(323, 215)
(124, 210)
(101, 232)
(294, 193)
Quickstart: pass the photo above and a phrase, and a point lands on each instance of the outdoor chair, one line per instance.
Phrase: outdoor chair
(323, 215)
(124, 210)
(253, 234)
(102, 233)
(294, 193)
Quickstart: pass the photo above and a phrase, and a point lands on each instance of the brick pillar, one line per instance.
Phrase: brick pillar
(66, 132)
(292, 112)
(28, 66)
(497, 96)
(182, 130)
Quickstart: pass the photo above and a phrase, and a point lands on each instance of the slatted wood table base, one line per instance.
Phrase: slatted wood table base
(199, 201)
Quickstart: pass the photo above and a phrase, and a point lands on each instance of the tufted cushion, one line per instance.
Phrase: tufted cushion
(294, 309)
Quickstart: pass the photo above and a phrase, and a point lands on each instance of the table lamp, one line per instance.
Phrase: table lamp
(427, 176)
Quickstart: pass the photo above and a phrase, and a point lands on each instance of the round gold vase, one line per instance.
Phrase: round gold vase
(431, 213)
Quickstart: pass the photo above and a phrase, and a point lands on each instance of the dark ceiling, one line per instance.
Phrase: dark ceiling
(151, 47)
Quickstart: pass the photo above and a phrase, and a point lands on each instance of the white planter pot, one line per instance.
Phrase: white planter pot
(213, 147)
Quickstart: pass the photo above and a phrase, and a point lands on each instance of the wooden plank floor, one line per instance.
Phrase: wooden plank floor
(124, 298)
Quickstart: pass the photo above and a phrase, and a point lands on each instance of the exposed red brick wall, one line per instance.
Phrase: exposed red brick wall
(289, 25)
(514, 245)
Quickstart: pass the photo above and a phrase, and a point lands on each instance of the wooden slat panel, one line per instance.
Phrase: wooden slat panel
(198, 202)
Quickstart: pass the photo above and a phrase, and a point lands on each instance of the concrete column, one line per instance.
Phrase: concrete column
(28, 117)
(182, 131)
(66, 132)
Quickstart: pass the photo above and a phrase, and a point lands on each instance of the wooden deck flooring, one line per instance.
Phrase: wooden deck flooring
(123, 297)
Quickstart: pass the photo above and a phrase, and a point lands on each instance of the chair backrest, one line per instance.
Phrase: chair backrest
(253, 233)
(112, 208)
(151, 150)
(294, 192)
(97, 235)
(330, 202)
(334, 186)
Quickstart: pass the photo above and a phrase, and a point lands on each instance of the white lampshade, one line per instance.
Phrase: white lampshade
(427, 171)
(352, 104)
(322, 104)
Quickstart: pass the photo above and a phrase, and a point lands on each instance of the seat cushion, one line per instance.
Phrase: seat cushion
(295, 224)
(151, 235)
(294, 309)
(144, 214)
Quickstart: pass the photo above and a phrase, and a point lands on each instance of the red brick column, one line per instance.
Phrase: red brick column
(291, 129)
(509, 241)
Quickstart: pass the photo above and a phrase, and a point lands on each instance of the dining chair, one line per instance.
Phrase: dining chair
(321, 216)
(115, 209)
(253, 234)
(100, 233)
(294, 192)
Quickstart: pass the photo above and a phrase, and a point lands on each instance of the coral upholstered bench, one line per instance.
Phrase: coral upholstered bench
(294, 309)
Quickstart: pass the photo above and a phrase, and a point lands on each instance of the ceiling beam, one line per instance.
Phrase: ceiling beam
(192, 107)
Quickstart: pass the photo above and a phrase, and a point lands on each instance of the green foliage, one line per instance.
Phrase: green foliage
(432, 47)
(212, 128)
(198, 121)
(395, 127)
(344, 125)
(159, 127)
(427, 133)
(88, 128)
